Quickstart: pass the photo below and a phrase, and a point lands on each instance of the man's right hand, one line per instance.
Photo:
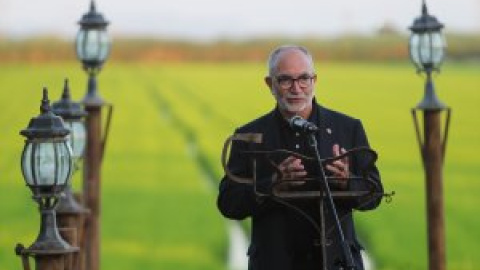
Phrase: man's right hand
(291, 168)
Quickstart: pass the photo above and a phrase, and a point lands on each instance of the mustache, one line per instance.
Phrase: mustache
(300, 95)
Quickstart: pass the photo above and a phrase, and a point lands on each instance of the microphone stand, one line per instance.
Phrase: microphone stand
(324, 184)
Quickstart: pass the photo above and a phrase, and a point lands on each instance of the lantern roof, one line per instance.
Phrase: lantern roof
(426, 22)
(47, 124)
(66, 108)
(93, 19)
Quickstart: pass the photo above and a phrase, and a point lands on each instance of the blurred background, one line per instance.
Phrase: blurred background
(183, 74)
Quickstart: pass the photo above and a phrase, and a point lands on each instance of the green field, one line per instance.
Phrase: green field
(169, 124)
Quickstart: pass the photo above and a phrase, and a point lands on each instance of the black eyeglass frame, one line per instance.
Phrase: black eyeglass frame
(287, 81)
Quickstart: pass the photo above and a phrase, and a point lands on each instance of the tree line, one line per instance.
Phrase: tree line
(382, 47)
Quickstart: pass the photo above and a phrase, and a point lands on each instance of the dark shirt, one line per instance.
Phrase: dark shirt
(304, 245)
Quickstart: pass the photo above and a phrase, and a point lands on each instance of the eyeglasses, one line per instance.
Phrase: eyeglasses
(286, 82)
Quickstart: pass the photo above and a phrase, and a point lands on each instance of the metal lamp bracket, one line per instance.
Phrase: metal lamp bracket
(106, 132)
(421, 142)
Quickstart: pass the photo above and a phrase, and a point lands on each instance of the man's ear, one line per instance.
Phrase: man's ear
(268, 81)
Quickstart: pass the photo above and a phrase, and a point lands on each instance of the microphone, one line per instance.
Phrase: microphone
(297, 123)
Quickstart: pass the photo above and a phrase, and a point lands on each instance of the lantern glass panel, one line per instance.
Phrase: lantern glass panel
(414, 49)
(92, 44)
(27, 164)
(104, 42)
(438, 48)
(47, 163)
(80, 43)
(427, 49)
(41, 163)
(76, 138)
(64, 161)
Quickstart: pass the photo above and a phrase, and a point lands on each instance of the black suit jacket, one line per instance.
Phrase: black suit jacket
(279, 234)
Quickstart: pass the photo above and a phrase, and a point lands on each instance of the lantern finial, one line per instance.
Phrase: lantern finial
(45, 107)
(92, 7)
(424, 8)
(66, 90)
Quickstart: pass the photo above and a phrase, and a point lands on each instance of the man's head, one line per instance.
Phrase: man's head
(292, 80)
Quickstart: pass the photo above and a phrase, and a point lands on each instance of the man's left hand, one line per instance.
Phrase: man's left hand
(339, 167)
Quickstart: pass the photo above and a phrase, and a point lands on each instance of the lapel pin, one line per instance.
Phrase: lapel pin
(329, 131)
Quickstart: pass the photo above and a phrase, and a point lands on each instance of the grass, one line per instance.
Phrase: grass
(169, 124)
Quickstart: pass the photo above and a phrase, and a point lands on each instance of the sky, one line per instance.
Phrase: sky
(227, 19)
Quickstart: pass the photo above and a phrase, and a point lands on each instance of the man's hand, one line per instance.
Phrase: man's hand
(339, 168)
(291, 168)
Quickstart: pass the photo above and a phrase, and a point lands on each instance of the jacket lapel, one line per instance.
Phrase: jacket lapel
(325, 134)
(272, 130)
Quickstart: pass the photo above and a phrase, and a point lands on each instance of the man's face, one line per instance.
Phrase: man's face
(293, 83)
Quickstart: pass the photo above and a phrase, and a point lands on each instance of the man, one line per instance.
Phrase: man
(282, 238)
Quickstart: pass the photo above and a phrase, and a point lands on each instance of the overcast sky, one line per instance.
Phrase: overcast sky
(213, 19)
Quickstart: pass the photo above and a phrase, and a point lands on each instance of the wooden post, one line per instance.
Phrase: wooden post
(44, 259)
(81, 238)
(91, 187)
(69, 234)
(92, 176)
(70, 214)
(50, 262)
(433, 160)
(432, 150)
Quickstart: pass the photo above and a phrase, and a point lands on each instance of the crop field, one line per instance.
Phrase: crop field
(162, 160)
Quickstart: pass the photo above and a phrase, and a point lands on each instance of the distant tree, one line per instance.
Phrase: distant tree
(388, 29)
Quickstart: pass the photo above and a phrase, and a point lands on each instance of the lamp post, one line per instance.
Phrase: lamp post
(46, 165)
(427, 50)
(92, 47)
(70, 213)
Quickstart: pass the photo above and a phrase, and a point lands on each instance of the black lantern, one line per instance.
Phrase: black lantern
(427, 50)
(93, 47)
(47, 167)
(427, 43)
(72, 114)
(92, 43)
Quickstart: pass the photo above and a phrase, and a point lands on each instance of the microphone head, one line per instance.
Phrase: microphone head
(295, 121)
(299, 124)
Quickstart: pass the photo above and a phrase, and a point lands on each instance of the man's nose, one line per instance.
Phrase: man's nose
(296, 88)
